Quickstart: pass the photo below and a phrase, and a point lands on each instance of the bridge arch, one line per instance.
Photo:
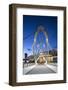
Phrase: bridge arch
(39, 29)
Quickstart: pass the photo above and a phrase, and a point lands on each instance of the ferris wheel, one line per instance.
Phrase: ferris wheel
(40, 45)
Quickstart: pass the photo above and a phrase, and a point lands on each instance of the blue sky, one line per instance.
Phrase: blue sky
(30, 24)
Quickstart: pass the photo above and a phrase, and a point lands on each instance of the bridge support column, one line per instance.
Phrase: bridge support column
(35, 61)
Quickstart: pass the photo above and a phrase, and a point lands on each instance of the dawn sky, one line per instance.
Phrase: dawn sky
(30, 24)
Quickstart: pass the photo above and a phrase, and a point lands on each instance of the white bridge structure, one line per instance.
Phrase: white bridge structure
(41, 47)
(43, 60)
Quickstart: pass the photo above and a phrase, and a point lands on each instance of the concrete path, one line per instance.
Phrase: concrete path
(42, 69)
(53, 67)
(27, 69)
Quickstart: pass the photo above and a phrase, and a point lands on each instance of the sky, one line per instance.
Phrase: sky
(30, 24)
